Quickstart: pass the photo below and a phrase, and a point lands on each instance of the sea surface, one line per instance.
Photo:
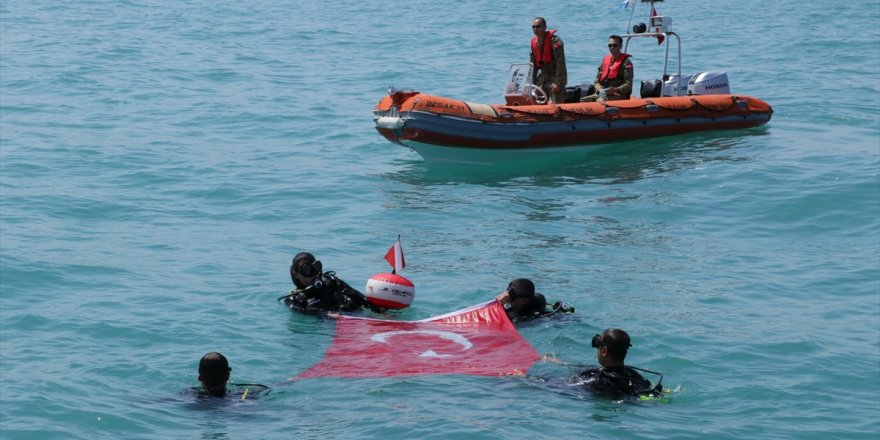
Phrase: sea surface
(161, 163)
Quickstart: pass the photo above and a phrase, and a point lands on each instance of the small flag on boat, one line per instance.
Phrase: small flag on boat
(394, 257)
(627, 4)
(660, 38)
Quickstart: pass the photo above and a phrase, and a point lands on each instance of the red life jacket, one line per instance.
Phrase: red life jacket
(611, 70)
(543, 55)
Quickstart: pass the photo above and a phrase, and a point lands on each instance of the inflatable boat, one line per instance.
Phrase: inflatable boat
(449, 130)
(444, 129)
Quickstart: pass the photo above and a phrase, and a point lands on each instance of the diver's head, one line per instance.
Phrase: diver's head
(611, 347)
(520, 292)
(521, 289)
(304, 269)
(214, 373)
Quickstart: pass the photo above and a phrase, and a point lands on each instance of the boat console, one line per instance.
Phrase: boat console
(519, 89)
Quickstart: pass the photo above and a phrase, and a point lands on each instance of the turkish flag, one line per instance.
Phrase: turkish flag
(479, 340)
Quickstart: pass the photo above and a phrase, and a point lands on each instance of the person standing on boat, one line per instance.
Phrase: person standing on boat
(548, 59)
(614, 78)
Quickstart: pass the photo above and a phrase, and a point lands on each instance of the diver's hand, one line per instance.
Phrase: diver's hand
(553, 359)
(503, 297)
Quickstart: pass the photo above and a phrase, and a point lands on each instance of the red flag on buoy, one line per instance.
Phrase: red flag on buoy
(394, 257)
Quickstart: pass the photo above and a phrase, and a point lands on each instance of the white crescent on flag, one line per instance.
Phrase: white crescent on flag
(450, 336)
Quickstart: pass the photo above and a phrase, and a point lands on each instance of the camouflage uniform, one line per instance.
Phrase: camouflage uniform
(552, 72)
(624, 86)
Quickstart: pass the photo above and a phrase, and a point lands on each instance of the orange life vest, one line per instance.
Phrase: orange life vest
(543, 55)
(611, 69)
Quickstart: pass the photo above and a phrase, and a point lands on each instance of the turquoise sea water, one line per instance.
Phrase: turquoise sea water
(161, 162)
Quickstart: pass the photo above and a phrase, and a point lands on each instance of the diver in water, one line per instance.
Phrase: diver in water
(522, 303)
(214, 376)
(612, 378)
(318, 291)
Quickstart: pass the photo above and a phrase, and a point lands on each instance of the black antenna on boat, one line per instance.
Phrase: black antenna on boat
(630, 16)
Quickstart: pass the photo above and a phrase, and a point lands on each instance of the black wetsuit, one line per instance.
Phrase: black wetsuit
(537, 308)
(616, 382)
(232, 391)
(327, 294)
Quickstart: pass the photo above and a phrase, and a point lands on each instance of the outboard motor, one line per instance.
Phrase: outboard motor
(672, 86)
(709, 83)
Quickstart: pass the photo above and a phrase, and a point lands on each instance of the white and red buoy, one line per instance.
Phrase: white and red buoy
(389, 290)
